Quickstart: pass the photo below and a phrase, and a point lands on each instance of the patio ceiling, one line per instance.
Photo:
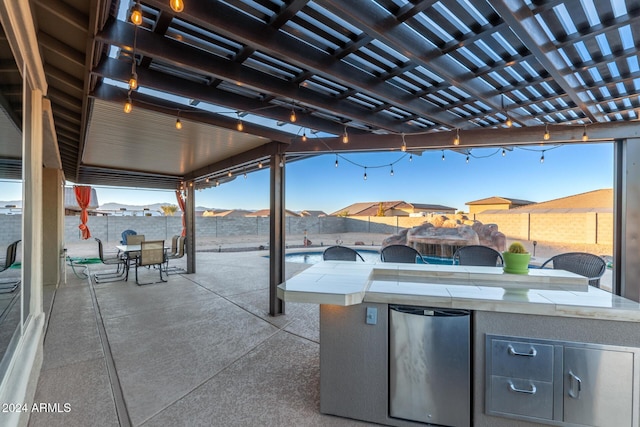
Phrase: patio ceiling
(382, 71)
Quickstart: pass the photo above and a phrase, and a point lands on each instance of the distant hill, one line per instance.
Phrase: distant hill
(155, 207)
(17, 203)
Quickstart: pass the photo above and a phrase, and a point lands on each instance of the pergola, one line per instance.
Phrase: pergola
(265, 82)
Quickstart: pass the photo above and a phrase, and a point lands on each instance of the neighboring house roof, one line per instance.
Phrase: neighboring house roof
(591, 201)
(496, 200)
(267, 212)
(70, 201)
(312, 213)
(232, 213)
(371, 208)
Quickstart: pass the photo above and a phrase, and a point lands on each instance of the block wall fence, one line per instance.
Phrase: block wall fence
(574, 228)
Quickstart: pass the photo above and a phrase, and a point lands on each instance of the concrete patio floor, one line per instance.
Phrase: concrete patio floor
(197, 350)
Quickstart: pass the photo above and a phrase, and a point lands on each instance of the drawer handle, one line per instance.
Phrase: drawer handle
(575, 385)
(519, 390)
(512, 351)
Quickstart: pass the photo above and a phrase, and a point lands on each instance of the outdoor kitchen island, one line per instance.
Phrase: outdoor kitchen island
(544, 348)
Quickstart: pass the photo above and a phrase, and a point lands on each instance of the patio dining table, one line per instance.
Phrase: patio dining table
(127, 249)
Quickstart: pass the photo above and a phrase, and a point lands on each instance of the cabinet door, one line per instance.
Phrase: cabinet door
(598, 387)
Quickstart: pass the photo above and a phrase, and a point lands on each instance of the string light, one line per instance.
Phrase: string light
(128, 105)
(443, 155)
(391, 170)
(133, 79)
(336, 160)
(245, 174)
(292, 117)
(508, 121)
(239, 125)
(404, 144)
(304, 136)
(260, 165)
(177, 5)
(345, 136)
(547, 135)
(365, 173)
(585, 137)
(207, 180)
(456, 140)
(217, 183)
(178, 123)
(411, 157)
(504, 152)
(467, 158)
(229, 174)
(542, 157)
(136, 14)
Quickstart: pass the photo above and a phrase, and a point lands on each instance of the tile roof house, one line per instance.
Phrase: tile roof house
(391, 208)
(495, 203)
(266, 213)
(591, 201)
(312, 213)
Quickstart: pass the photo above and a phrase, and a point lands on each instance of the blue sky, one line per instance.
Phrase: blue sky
(317, 184)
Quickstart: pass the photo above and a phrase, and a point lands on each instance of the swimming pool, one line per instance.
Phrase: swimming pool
(370, 256)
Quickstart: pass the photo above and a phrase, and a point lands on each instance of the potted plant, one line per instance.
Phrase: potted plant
(516, 259)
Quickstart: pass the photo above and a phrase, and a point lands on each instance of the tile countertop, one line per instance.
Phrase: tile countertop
(542, 292)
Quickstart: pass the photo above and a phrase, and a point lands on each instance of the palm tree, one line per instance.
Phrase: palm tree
(169, 210)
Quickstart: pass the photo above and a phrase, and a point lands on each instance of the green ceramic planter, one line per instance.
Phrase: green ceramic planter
(516, 263)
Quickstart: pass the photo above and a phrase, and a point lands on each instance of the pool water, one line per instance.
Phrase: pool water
(368, 255)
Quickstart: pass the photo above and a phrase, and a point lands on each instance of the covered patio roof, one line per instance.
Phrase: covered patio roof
(384, 73)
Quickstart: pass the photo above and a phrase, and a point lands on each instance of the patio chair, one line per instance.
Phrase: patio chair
(117, 260)
(588, 265)
(9, 285)
(401, 253)
(124, 235)
(477, 255)
(177, 254)
(134, 239)
(341, 253)
(152, 255)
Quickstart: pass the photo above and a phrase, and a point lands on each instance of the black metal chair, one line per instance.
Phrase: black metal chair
(117, 260)
(341, 253)
(401, 253)
(9, 285)
(152, 255)
(477, 255)
(585, 264)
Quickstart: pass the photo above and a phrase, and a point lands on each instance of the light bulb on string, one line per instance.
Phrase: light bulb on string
(403, 148)
(177, 5)
(207, 180)
(585, 137)
(547, 135)
(217, 183)
(504, 152)
(411, 157)
(178, 123)
(391, 173)
(336, 160)
(443, 155)
(304, 136)
(542, 157)
(456, 140)
(229, 174)
(467, 158)
(345, 136)
(240, 126)
(136, 14)
(365, 173)
(292, 117)
(128, 105)
(245, 175)
(508, 122)
(260, 165)
(133, 80)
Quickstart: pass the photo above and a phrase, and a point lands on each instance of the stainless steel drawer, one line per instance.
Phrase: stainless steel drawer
(516, 396)
(521, 359)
